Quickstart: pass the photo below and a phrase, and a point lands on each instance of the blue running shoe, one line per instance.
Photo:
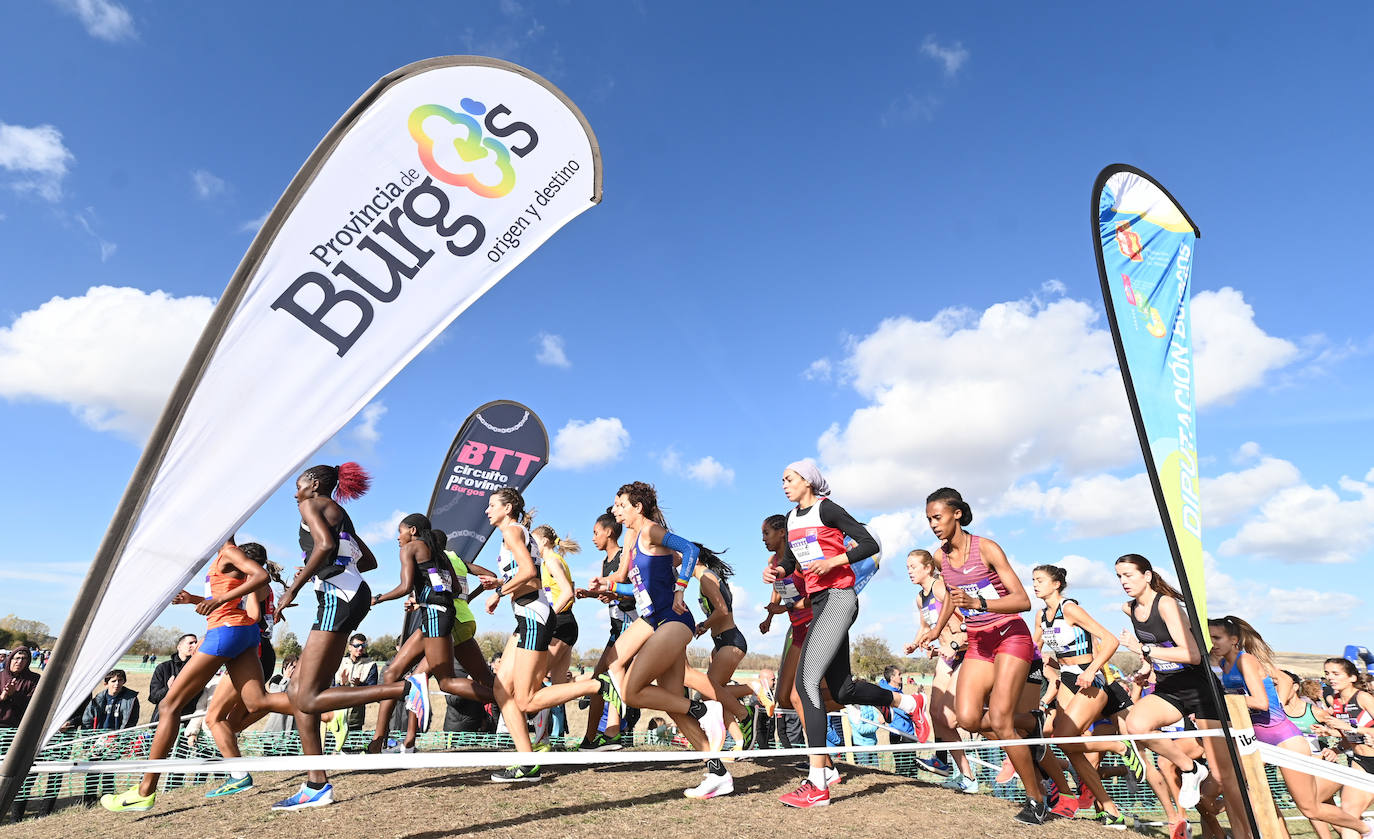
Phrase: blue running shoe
(231, 786)
(307, 797)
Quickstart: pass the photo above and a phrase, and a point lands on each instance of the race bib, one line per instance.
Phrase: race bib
(439, 581)
(787, 591)
(643, 602)
(807, 549)
(982, 587)
(1165, 666)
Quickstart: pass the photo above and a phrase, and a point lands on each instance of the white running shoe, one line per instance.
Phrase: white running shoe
(418, 701)
(1190, 785)
(832, 777)
(712, 786)
(714, 726)
(540, 726)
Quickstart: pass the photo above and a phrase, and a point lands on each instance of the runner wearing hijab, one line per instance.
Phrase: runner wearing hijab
(816, 530)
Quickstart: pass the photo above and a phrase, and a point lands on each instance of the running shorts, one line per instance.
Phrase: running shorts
(1188, 692)
(464, 631)
(799, 631)
(617, 627)
(436, 621)
(1010, 637)
(731, 637)
(1365, 762)
(565, 628)
(335, 614)
(229, 641)
(666, 615)
(531, 634)
(267, 657)
(1274, 731)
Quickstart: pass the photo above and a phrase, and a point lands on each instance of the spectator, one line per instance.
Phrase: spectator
(278, 684)
(17, 683)
(466, 715)
(863, 730)
(355, 670)
(114, 708)
(166, 673)
(764, 723)
(901, 720)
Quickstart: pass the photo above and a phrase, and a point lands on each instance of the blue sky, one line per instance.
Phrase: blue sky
(863, 239)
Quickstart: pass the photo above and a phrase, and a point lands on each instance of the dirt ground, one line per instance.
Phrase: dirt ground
(596, 802)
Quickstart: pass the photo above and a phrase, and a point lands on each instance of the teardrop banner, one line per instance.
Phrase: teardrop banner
(442, 178)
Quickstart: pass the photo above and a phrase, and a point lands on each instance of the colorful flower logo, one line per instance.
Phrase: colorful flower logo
(1129, 242)
(1154, 324)
(453, 150)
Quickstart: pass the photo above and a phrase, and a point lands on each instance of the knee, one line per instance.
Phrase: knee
(1000, 721)
(969, 719)
(307, 703)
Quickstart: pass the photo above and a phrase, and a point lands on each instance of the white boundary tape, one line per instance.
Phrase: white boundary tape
(476, 759)
(1315, 766)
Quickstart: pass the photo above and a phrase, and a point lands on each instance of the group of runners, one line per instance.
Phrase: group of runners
(990, 679)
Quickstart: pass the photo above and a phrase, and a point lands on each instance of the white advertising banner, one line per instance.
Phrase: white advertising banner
(438, 182)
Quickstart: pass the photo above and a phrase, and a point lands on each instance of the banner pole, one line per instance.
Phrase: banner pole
(1194, 623)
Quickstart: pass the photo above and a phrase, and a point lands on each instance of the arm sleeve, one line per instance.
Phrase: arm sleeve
(833, 515)
(624, 588)
(674, 542)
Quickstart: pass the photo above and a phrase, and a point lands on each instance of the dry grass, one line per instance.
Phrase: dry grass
(599, 802)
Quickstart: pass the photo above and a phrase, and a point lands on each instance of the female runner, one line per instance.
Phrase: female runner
(650, 660)
(606, 538)
(427, 575)
(789, 597)
(1163, 639)
(1247, 667)
(1352, 719)
(989, 598)
(231, 637)
(335, 558)
(816, 529)
(1081, 648)
(525, 660)
(948, 651)
(718, 607)
(558, 585)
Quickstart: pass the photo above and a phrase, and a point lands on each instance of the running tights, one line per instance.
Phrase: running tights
(825, 655)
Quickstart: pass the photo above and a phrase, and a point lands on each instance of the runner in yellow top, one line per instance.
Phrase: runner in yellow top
(557, 581)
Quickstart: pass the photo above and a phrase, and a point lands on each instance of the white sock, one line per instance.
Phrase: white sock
(817, 777)
(238, 776)
(906, 703)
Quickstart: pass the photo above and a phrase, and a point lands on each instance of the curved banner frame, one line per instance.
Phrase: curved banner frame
(442, 178)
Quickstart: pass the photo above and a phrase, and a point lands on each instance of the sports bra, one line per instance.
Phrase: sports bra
(1233, 681)
(509, 566)
(928, 606)
(1155, 632)
(1064, 639)
(230, 612)
(725, 594)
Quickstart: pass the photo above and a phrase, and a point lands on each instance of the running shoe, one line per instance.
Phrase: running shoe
(1006, 773)
(128, 801)
(418, 701)
(746, 728)
(806, 795)
(765, 696)
(539, 747)
(1085, 798)
(306, 797)
(1368, 829)
(919, 719)
(960, 782)
(832, 777)
(1035, 812)
(712, 786)
(713, 723)
(541, 727)
(399, 749)
(1065, 807)
(1038, 733)
(934, 766)
(1190, 785)
(1120, 822)
(600, 743)
(231, 786)
(1181, 830)
(516, 775)
(1134, 762)
(610, 693)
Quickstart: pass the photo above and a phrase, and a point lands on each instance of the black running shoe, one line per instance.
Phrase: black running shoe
(1035, 812)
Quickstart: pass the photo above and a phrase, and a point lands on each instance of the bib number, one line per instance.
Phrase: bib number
(438, 580)
(974, 590)
(643, 602)
(807, 549)
(787, 592)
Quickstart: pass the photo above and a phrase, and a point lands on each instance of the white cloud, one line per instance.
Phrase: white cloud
(107, 249)
(1227, 497)
(206, 184)
(1310, 524)
(818, 371)
(710, 472)
(1259, 603)
(983, 401)
(976, 400)
(379, 532)
(1233, 353)
(900, 532)
(1055, 287)
(551, 351)
(911, 108)
(951, 56)
(584, 443)
(103, 19)
(365, 430)
(112, 355)
(36, 159)
(1100, 505)
(1083, 573)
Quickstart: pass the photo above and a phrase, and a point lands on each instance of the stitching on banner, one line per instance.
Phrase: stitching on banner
(488, 426)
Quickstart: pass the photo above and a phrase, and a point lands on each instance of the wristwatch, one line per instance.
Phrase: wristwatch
(1146, 649)
(982, 603)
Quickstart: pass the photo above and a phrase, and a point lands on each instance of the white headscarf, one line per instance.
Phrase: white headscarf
(811, 473)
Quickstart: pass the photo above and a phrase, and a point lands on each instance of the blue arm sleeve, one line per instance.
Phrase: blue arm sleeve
(674, 542)
(624, 588)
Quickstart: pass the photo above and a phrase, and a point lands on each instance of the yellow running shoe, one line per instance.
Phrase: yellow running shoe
(338, 726)
(128, 801)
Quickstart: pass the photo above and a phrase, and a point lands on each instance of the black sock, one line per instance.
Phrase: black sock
(943, 757)
(314, 787)
(697, 709)
(715, 766)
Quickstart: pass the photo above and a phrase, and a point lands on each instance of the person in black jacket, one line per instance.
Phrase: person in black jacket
(166, 673)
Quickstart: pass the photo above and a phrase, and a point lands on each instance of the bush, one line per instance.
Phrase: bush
(382, 648)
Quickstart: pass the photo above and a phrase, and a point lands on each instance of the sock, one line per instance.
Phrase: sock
(314, 787)
(715, 766)
(238, 776)
(697, 708)
(817, 777)
(944, 757)
(906, 703)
